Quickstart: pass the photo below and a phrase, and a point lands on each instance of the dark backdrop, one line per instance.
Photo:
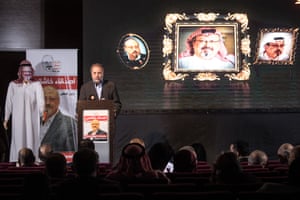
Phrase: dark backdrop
(263, 111)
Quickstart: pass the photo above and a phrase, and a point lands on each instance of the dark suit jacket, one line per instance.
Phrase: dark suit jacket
(99, 132)
(109, 92)
(135, 63)
(62, 133)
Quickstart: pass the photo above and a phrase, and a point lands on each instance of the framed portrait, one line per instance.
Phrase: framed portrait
(133, 51)
(206, 46)
(276, 46)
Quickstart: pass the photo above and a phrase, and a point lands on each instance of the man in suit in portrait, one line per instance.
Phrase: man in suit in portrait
(96, 133)
(132, 53)
(100, 89)
(57, 129)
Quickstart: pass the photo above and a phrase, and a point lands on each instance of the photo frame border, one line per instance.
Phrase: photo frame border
(120, 50)
(292, 52)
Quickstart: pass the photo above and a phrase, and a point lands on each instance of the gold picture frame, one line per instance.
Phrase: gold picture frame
(276, 46)
(138, 47)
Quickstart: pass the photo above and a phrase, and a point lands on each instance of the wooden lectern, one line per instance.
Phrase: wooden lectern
(103, 111)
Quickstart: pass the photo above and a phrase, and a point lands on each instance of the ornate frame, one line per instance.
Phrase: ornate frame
(266, 37)
(173, 22)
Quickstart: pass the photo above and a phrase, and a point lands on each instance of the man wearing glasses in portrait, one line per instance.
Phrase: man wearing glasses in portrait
(205, 50)
(274, 50)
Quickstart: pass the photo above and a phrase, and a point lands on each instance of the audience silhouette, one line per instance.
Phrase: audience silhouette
(185, 160)
(161, 154)
(284, 152)
(258, 157)
(134, 166)
(241, 148)
(26, 158)
(227, 170)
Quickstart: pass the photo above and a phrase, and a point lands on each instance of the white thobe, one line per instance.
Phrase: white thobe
(25, 104)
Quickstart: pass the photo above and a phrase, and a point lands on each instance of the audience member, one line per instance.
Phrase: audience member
(284, 152)
(26, 158)
(135, 166)
(295, 154)
(227, 170)
(35, 185)
(200, 151)
(294, 173)
(44, 151)
(185, 160)
(86, 143)
(161, 156)
(293, 184)
(85, 183)
(258, 157)
(56, 165)
(138, 140)
(3, 148)
(241, 149)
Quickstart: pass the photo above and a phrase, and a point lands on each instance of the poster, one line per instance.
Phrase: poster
(96, 125)
(58, 68)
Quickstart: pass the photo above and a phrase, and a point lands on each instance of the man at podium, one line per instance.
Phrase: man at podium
(100, 89)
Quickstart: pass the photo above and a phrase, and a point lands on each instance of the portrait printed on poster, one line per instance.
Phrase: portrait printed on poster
(96, 125)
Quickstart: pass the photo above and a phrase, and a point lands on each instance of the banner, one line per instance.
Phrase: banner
(58, 68)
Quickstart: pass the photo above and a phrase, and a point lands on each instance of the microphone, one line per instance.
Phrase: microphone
(92, 98)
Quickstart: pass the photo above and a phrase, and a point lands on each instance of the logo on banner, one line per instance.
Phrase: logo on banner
(49, 64)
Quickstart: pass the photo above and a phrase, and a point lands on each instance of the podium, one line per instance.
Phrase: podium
(102, 111)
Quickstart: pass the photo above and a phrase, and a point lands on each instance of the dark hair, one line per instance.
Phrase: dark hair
(294, 172)
(86, 143)
(242, 147)
(200, 151)
(45, 150)
(85, 161)
(133, 150)
(160, 154)
(56, 165)
(26, 157)
(185, 160)
(226, 168)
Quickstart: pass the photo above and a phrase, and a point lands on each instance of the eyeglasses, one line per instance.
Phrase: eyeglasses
(208, 41)
(277, 45)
